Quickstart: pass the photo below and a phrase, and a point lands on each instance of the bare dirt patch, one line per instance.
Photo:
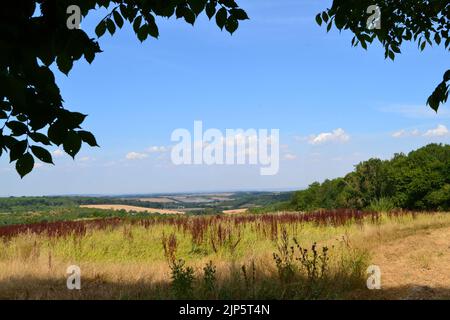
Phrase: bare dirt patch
(416, 266)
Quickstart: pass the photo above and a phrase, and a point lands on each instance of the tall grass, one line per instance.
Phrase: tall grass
(276, 256)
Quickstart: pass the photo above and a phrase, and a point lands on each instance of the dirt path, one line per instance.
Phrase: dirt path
(416, 266)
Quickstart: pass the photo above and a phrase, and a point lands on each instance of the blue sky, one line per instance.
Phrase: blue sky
(279, 70)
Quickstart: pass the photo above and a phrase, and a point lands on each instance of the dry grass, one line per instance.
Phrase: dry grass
(130, 208)
(416, 266)
(413, 254)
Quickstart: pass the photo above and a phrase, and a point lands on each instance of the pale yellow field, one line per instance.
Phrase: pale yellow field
(235, 211)
(130, 208)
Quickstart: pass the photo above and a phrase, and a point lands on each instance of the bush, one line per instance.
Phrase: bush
(382, 205)
(209, 279)
(182, 280)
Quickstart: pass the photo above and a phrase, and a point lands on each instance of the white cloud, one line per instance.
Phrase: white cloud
(439, 131)
(58, 153)
(84, 159)
(290, 156)
(405, 133)
(399, 134)
(136, 156)
(157, 149)
(337, 135)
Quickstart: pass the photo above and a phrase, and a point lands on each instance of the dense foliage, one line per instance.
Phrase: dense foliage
(418, 181)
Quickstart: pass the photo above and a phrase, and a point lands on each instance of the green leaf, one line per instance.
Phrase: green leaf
(110, 26)
(422, 46)
(137, 24)
(211, 8)
(229, 3)
(221, 17)
(25, 164)
(124, 10)
(118, 18)
(64, 63)
(319, 20)
(189, 16)
(72, 144)
(17, 128)
(57, 133)
(88, 138)
(153, 29)
(395, 49)
(363, 44)
(391, 55)
(42, 154)
(4, 105)
(437, 38)
(197, 5)
(39, 137)
(142, 33)
(9, 141)
(71, 120)
(239, 14)
(231, 25)
(17, 149)
(447, 75)
(100, 29)
(89, 54)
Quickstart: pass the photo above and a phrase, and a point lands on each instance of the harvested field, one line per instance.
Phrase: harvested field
(131, 208)
(235, 211)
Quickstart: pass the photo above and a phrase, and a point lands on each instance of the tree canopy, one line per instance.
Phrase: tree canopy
(419, 181)
(34, 34)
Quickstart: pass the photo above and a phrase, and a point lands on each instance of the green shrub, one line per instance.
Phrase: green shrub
(182, 280)
(382, 205)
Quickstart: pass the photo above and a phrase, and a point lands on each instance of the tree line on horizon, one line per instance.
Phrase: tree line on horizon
(419, 180)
